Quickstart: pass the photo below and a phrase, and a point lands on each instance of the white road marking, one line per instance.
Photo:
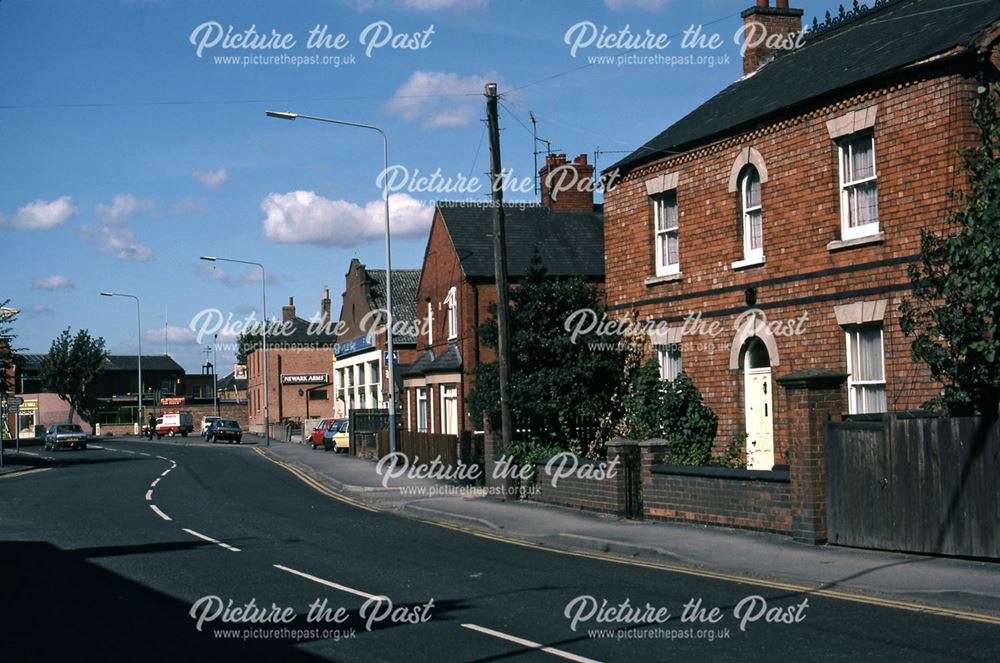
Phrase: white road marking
(149, 495)
(210, 540)
(158, 512)
(529, 644)
(29, 453)
(15, 475)
(166, 472)
(343, 588)
(143, 453)
(162, 458)
(155, 481)
(94, 446)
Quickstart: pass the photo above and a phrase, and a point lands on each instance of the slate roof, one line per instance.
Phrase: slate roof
(569, 243)
(449, 360)
(404, 298)
(118, 363)
(878, 42)
(229, 383)
(298, 335)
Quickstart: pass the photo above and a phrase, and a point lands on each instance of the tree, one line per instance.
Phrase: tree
(671, 410)
(9, 358)
(955, 307)
(561, 388)
(71, 368)
(247, 342)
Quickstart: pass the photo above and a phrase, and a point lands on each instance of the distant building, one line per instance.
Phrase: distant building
(299, 367)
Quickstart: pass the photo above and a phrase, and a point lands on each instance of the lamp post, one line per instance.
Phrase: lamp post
(263, 287)
(215, 373)
(388, 256)
(138, 317)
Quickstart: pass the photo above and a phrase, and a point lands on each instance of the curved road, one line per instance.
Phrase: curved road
(104, 556)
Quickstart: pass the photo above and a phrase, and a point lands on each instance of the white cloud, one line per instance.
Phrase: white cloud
(440, 99)
(122, 208)
(211, 179)
(644, 5)
(303, 217)
(176, 336)
(43, 214)
(189, 206)
(53, 282)
(118, 241)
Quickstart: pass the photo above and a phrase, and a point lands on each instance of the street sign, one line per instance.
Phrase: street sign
(395, 356)
(14, 400)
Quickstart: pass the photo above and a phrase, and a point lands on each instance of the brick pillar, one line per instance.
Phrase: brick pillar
(626, 493)
(492, 452)
(812, 397)
(651, 452)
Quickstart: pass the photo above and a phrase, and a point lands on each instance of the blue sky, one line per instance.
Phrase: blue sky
(126, 155)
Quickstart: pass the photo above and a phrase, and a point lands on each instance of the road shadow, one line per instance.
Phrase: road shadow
(58, 606)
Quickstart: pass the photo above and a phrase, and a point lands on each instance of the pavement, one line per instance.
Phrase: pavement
(925, 580)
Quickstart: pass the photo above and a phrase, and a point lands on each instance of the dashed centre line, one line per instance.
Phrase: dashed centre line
(328, 583)
(157, 511)
(529, 644)
(210, 540)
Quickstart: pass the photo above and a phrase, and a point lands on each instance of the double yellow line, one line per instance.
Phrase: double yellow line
(660, 566)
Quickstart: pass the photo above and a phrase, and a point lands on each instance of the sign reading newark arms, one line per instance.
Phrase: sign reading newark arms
(305, 378)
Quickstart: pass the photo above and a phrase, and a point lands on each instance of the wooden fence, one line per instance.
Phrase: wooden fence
(423, 446)
(917, 484)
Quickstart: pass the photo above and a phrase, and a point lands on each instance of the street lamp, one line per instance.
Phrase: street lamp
(388, 256)
(138, 316)
(215, 373)
(263, 288)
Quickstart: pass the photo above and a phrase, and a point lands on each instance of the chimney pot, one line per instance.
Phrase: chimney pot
(764, 20)
(781, 4)
(764, 3)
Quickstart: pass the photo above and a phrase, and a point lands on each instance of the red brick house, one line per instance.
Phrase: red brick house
(770, 230)
(457, 287)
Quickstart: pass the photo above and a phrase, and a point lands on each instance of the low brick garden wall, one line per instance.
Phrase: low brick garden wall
(602, 495)
(745, 499)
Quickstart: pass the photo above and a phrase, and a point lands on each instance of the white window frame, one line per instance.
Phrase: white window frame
(751, 254)
(663, 267)
(430, 407)
(430, 323)
(852, 392)
(847, 208)
(445, 397)
(422, 409)
(451, 302)
(670, 360)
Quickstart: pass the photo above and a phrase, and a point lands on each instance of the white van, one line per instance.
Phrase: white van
(174, 423)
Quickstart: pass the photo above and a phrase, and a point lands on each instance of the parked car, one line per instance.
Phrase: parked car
(316, 436)
(226, 430)
(174, 423)
(338, 436)
(206, 422)
(65, 435)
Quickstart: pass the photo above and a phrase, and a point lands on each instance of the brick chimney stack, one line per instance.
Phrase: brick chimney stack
(288, 312)
(324, 308)
(567, 186)
(768, 21)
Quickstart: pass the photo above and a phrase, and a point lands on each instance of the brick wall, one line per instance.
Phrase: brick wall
(717, 496)
(602, 495)
(284, 400)
(920, 127)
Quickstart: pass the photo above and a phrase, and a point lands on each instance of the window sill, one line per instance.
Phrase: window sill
(749, 262)
(666, 278)
(839, 244)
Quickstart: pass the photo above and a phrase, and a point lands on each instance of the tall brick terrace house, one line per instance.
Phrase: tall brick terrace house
(785, 210)
(457, 286)
(299, 366)
(361, 371)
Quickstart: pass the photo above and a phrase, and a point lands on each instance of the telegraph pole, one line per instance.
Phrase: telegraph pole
(500, 268)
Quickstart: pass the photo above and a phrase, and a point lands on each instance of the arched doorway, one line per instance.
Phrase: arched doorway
(758, 406)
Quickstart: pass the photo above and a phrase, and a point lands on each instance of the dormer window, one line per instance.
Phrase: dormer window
(858, 187)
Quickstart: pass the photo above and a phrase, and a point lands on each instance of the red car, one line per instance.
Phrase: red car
(316, 436)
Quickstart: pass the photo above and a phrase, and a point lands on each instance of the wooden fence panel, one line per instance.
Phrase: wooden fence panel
(914, 484)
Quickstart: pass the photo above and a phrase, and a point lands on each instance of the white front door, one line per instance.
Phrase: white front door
(760, 428)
